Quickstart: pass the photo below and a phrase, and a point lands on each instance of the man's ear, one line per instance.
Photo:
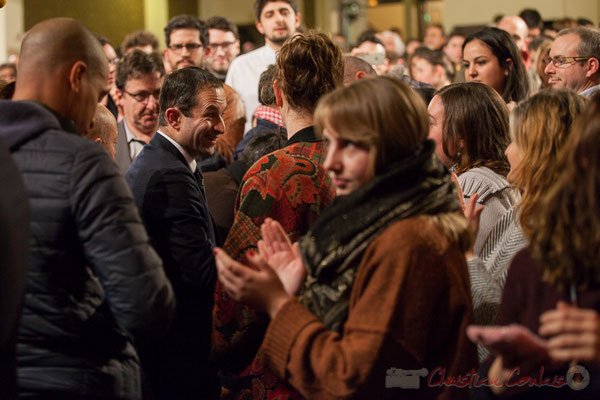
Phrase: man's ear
(173, 117)
(278, 94)
(207, 51)
(298, 19)
(593, 66)
(259, 27)
(76, 74)
(360, 75)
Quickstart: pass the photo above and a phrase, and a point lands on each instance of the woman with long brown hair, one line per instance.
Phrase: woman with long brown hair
(470, 125)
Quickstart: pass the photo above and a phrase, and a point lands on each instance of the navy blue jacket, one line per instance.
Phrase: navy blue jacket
(175, 213)
(94, 284)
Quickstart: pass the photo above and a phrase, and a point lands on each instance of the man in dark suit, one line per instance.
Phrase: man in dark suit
(169, 192)
(138, 79)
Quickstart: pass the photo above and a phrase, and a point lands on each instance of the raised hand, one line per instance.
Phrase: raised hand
(260, 289)
(573, 333)
(283, 257)
(515, 343)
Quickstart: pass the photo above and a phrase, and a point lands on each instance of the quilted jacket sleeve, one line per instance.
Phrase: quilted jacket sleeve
(116, 244)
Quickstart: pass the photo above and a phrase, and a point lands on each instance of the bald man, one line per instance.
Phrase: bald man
(356, 68)
(94, 284)
(517, 28)
(104, 129)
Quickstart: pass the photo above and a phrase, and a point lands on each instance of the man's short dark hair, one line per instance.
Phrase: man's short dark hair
(368, 36)
(262, 144)
(103, 40)
(223, 24)
(137, 64)
(139, 39)
(266, 94)
(180, 89)
(532, 18)
(186, 22)
(260, 4)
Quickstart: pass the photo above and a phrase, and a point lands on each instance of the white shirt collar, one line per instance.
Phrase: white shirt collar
(189, 159)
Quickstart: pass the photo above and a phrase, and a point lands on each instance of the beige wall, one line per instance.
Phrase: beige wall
(11, 28)
(475, 12)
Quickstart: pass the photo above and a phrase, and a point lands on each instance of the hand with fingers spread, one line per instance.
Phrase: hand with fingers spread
(573, 333)
(282, 256)
(260, 289)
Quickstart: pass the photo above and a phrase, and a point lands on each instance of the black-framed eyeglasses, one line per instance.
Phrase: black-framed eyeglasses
(560, 61)
(190, 47)
(142, 97)
(224, 45)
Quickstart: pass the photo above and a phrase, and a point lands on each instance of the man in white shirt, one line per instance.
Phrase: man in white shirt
(278, 21)
(574, 61)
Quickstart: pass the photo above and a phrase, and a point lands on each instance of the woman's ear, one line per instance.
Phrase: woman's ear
(278, 94)
(509, 64)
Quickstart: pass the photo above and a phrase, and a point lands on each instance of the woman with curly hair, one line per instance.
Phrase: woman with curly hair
(381, 277)
(552, 295)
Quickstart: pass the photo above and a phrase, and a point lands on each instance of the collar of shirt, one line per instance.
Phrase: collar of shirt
(189, 159)
(129, 134)
(306, 135)
(270, 114)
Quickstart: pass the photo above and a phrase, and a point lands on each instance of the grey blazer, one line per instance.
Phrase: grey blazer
(122, 157)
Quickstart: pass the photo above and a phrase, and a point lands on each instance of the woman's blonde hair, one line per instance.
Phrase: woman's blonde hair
(380, 113)
(566, 224)
(540, 126)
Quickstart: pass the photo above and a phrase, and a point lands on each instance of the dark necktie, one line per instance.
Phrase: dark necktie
(200, 180)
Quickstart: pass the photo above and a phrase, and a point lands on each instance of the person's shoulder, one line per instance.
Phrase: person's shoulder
(483, 181)
(417, 230)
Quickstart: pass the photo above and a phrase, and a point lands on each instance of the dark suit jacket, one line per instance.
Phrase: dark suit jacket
(176, 216)
(122, 157)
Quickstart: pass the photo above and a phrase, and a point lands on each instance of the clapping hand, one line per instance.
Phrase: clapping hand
(260, 289)
(282, 256)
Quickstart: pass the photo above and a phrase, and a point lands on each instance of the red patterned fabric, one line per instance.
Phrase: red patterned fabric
(270, 114)
(290, 186)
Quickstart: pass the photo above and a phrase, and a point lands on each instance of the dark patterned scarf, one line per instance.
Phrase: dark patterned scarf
(333, 247)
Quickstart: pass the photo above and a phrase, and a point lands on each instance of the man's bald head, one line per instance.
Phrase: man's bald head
(104, 129)
(517, 28)
(63, 66)
(356, 68)
(60, 41)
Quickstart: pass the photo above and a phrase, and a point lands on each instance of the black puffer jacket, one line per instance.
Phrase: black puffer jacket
(93, 281)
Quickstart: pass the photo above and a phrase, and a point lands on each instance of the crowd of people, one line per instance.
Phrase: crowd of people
(304, 220)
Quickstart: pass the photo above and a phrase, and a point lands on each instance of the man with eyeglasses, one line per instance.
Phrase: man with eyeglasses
(574, 61)
(188, 44)
(139, 78)
(224, 45)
